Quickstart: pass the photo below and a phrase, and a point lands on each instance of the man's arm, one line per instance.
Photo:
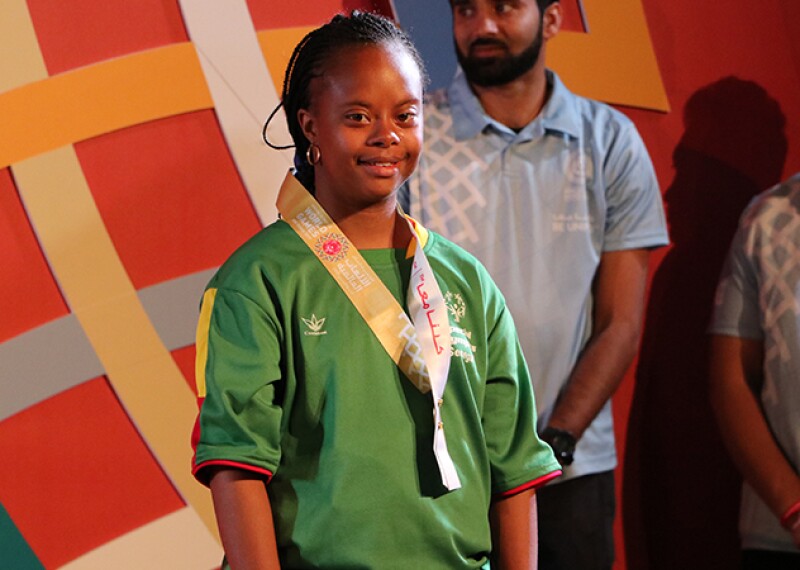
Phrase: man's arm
(619, 290)
(514, 532)
(736, 368)
(244, 517)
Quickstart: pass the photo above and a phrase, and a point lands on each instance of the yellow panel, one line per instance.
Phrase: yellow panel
(278, 46)
(16, 28)
(94, 100)
(615, 61)
(177, 541)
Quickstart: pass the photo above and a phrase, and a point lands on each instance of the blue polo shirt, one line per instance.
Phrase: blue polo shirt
(538, 208)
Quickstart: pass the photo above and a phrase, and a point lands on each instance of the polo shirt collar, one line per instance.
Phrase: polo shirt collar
(469, 119)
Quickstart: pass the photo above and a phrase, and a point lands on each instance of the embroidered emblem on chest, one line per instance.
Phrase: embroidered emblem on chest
(314, 326)
(455, 305)
(460, 339)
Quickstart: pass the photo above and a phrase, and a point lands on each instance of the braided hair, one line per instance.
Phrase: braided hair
(308, 62)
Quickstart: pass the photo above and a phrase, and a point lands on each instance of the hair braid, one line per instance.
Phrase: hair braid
(308, 61)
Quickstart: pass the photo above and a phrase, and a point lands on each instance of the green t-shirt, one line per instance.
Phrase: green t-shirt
(298, 387)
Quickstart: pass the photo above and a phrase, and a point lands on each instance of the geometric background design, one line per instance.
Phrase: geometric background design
(122, 187)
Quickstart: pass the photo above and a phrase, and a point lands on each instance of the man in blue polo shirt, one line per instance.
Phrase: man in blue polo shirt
(557, 196)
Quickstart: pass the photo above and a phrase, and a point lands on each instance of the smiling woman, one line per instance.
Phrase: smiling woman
(365, 120)
(329, 342)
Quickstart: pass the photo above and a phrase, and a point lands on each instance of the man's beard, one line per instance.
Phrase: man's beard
(494, 71)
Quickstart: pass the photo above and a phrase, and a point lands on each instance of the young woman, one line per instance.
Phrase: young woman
(365, 403)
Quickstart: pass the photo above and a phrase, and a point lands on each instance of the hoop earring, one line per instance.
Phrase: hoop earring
(313, 154)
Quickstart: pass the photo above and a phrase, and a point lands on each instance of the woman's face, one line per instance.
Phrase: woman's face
(366, 118)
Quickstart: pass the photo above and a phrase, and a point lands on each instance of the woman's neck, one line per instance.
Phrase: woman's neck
(378, 227)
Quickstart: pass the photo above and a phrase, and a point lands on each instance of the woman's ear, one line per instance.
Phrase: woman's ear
(307, 124)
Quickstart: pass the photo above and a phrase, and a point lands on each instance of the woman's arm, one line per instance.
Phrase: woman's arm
(244, 517)
(514, 532)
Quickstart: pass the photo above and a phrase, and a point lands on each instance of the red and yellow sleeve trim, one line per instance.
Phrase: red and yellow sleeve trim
(201, 341)
(198, 469)
(535, 484)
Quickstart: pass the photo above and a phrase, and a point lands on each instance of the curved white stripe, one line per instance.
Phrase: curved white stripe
(243, 94)
(178, 541)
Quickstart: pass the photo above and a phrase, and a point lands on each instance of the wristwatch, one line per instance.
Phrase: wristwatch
(562, 442)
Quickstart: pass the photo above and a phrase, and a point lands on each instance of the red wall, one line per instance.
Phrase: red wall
(732, 74)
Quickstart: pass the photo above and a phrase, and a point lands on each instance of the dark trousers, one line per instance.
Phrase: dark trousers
(770, 560)
(576, 523)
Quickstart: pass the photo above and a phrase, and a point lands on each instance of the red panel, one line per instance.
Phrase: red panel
(184, 358)
(81, 474)
(272, 14)
(32, 297)
(573, 19)
(170, 196)
(80, 32)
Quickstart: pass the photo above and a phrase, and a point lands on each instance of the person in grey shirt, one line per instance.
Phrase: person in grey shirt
(755, 373)
(557, 196)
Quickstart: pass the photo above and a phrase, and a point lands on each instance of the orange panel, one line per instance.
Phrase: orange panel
(80, 32)
(32, 297)
(81, 475)
(170, 196)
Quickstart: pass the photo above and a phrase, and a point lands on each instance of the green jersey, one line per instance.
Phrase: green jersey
(295, 386)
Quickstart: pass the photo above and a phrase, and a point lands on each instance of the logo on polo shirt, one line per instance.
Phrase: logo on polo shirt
(314, 326)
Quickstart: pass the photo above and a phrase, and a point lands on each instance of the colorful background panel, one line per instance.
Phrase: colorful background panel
(196, 189)
(130, 167)
(81, 476)
(126, 186)
(22, 258)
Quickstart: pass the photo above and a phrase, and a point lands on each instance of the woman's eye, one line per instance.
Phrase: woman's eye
(357, 117)
(407, 117)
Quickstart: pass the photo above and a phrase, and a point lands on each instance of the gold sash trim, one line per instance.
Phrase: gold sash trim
(369, 295)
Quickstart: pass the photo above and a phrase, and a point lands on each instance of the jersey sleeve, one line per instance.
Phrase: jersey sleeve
(519, 459)
(635, 213)
(736, 304)
(238, 384)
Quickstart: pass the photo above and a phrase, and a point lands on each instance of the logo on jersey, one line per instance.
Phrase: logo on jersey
(455, 305)
(332, 247)
(460, 340)
(314, 326)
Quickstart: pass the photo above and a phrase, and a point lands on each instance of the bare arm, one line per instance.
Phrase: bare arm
(514, 532)
(736, 367)
(618, 310)
(244, 517)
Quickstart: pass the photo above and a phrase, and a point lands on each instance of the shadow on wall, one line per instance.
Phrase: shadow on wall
(681, 492)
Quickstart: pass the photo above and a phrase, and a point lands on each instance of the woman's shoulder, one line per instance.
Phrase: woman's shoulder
(458, 260)
(269, 252)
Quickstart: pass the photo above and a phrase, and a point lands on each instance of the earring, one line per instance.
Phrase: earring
(312, 154)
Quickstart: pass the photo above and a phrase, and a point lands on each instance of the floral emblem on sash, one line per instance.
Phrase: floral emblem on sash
(331, 247)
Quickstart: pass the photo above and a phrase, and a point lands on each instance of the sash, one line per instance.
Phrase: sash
(420, 346)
